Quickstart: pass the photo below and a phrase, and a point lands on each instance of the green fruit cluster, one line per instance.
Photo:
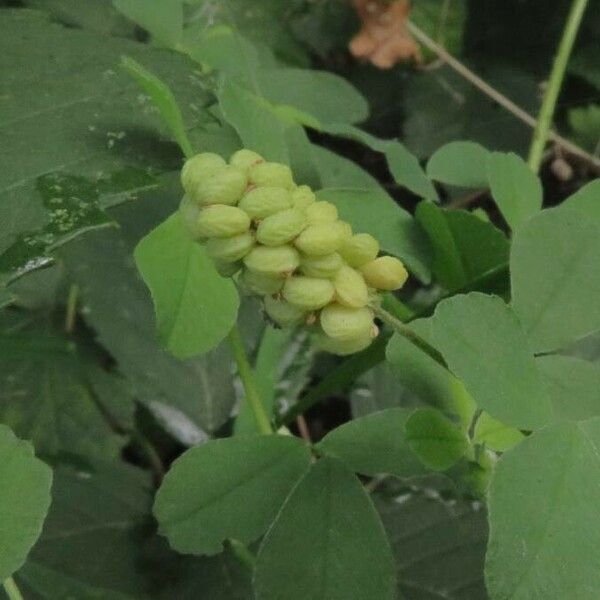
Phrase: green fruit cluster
(285, 246)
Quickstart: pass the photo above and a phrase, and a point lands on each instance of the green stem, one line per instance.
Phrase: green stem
(544, 121)
(247, 376)
(11, 589)
(405, 331)
(152, 456)
(71, 313)
(243, 554)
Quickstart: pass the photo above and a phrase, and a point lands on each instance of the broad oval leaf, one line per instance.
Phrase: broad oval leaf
(24, 500)
(162, 19)
(495, 434)
(555, 277)
(484, 345)
(227, 488)
(334, 529)
(460, 163)
(586, 200)
(195, 307)
(374, 444)
(543, 512)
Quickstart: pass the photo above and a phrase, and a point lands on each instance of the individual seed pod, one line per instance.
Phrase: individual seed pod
(271, 174)
(283, 313)
(259, 284)
(308, 293)
(226, 186)
(220, 220)
(343, 323)
(345, 230)
(282, 227)
(318, 240)
(303, 197)
(321, 266)
(360, 249)
(385, 273)
(321, 212)
(262, 202)
(244, 159)
(200, 168)
(342, 347)
(350, 288)
(278, 261)
(227, 269)
(189, 212)
(230, 249)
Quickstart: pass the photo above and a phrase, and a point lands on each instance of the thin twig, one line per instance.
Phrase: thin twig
(498, 97)
(303, 428)
(12, 590)
(71, 314)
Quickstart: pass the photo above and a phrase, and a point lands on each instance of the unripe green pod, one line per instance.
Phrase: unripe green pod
(385, 273)
(303, 197)
(200, 168)
(278, 261)
(230, 249)
(342, 347)
(308, 293)
(321, 266)
(321, 239)
(226, 186)
(259, 284)
(350, 288)
(344, 323)
(227, 269)
(220, 220)
(345, 230)
(262, 202)
(283, 313)
(271, 174)
(360, 249)
(189, 212)
(280, 228)
(244, 159)
(321, 212)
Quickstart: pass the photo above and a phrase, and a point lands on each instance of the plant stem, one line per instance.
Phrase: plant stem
(11, 589)
(540, 135)
(71, 313)
(405, 331)
(247, 376)
(152, 456)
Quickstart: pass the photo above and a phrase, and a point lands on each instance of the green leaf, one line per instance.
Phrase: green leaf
(24, 500)
(163, 19)
(465, 248)
(195, 306)
(516, 189)
(585, 123)
(573, 385)
(435, 439)
(461, 164)
(439, 545)
(587, 201)
(163, 98)
(374, 444)
(555, 278)
(485, 346)
(495, 434)
(373, 212)
(227, 488)
(335, 529)
(543, 505)
(339, 172)
(445, 26)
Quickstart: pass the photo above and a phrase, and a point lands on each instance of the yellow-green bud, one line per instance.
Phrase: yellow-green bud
(280, 228)
(262, 202)
(244, 159)
(321, 212)
(344, 323)
(226, 186)
(278, 261)
(350, 288)
(189, 212)
(360, 249)
(283, 313)
(227, 269)
(342, 347)
(271, 174)
(259, 284)
(303, 197)
(345, 230)
(385, 273)
(199, 168)
(321, 266)
(230, 249)
(220, 220)
(308, 293)
(321, 239)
